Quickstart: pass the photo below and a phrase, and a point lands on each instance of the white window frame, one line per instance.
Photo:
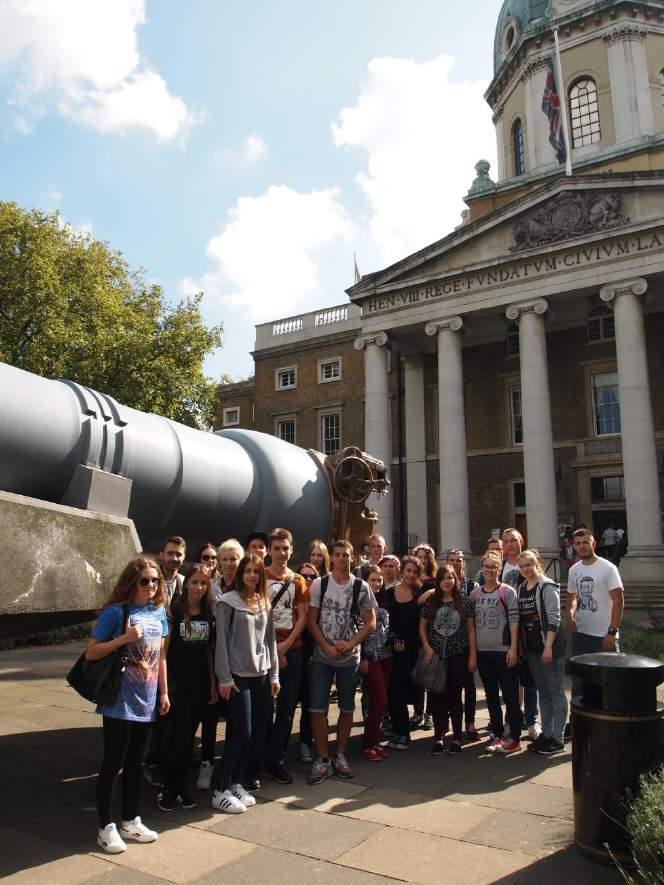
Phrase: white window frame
(277, 378)
(600, 316)
(226, 415)
(282, 419)
(328, 362)
(593, 407)
(511, 390)
(322, 415)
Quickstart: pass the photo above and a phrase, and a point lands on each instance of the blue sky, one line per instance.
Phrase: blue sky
(247, 149)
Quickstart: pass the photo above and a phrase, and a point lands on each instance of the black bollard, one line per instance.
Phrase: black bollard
(617, 735)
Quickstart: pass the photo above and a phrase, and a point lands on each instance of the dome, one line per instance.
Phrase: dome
(516, 19)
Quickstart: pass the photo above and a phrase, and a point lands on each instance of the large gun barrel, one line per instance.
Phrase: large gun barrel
(204, 486)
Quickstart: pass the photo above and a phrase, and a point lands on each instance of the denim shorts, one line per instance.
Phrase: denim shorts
(321, 677)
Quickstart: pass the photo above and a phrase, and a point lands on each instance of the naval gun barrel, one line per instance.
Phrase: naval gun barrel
(204, 486)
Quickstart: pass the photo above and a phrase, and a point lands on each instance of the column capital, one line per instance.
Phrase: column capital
(612, 291)
(538, 306)
(454, 324)
(378, 338)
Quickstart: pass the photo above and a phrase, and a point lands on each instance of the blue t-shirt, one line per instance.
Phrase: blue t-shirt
(137, 697)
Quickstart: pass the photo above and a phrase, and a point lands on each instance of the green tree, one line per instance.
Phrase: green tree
(70, 307)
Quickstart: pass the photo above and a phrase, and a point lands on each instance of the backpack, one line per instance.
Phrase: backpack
(354, 606)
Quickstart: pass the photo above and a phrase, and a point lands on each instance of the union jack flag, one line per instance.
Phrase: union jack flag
(551, 107)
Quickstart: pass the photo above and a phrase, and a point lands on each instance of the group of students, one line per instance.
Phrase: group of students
(247, 641)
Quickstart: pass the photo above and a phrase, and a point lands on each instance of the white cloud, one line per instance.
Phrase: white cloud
(253, 149)
(51, 196)
(423, 135)
(267, 255)
(83, 56)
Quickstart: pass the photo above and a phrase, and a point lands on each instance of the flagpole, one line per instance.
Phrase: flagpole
(562, 94)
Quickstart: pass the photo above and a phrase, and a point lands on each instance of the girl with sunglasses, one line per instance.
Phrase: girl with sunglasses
(192, 682)
(207, 558)
(140, 592)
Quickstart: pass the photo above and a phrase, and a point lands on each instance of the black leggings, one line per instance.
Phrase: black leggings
(125, 743)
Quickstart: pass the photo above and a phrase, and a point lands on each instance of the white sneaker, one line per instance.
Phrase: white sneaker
(305, 753)
(137, 831)
(204, 776)
(534, 731)
(240, 793)
(109, 839)
(227, 802)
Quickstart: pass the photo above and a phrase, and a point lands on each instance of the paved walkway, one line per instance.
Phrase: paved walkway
(472, 818)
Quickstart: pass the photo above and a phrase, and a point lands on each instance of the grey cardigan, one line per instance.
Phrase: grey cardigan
(547, 602)
(246, 641)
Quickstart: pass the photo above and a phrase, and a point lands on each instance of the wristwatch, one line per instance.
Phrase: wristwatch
(612, 631)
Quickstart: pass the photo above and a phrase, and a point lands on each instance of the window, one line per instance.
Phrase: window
(231, 416)
(606, 403)
(517, 145)
(329, 370)
(330, 432)
(512, 341)
(584, 112)
(285, 429)
(516, 417)
(286, 379)
(599, 324)
(607, 488)
(519, 495)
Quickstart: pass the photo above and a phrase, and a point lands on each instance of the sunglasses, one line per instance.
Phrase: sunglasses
(454, 552)
(309, 577)
(147, 582)
(207, 556)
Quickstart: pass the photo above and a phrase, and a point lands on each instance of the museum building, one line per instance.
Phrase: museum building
(511, 373)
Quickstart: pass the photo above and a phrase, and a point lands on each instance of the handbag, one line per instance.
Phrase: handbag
(432, 675)
(99, 681)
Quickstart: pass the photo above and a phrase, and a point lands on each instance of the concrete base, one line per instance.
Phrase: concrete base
(58, 563)
(93, 489)
(643, 565)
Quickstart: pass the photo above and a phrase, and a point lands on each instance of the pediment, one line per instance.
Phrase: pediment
(569, 211)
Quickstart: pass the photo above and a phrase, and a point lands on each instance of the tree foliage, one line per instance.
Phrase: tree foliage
(70, 307)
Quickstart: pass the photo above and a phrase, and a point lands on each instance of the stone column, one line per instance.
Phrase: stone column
(500, 144)
(377, 433)
(452, 450)
(416, 467)
(630, 86)
(539, 152)
(644, 561)
(538, 464)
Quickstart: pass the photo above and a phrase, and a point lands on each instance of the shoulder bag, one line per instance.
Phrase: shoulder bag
(99, 681)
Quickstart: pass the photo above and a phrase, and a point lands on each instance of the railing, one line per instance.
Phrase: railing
(331, 315)
(285, 327)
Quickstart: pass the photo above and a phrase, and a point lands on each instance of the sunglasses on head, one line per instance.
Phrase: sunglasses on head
(454, 552)
(207, 556)
(147, 582)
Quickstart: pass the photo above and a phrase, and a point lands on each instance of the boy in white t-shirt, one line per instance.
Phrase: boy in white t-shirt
(595, 601)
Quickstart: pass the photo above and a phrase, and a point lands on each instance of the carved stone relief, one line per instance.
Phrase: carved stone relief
(568, 215)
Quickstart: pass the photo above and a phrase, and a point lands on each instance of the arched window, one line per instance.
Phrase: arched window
(584, 112)
(661, 88)
(599, 324)
(517, 145)
(512, 340)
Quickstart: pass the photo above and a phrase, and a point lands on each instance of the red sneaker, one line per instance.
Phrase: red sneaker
(509, 746)
(383, 753)
(372, 755)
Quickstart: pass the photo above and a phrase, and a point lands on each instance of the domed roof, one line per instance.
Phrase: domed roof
(515, 20)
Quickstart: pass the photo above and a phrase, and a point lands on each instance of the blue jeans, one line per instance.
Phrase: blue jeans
(584, 644)
(497, 677)
(530, 704)
(320, 682)
(550, 682)
(247, 714)
(279, 731)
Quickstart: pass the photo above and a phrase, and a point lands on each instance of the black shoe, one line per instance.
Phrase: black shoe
(453, 747)
(550, 746)
(538, 742)
(185, 801)
(277, 772)
(567, 733)
(438, 749)
(252, 785)
(167, 800)
(416, 720)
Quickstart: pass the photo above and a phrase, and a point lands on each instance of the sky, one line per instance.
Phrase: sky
(247, 150)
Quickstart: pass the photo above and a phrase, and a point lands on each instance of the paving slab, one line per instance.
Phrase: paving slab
(277, 868)
(430, 860)
(319, 797)
(299, 830)
(26, 858)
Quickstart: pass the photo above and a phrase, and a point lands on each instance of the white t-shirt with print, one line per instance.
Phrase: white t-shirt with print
(592, 583)
(335, 616)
